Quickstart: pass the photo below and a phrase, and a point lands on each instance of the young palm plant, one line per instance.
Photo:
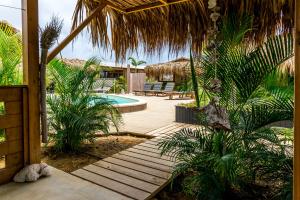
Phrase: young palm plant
(10, 56)
(75, 113)
(218, 163)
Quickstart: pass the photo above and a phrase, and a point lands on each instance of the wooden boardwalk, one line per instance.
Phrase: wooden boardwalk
(135, 173)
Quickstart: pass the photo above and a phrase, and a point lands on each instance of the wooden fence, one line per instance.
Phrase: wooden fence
(14, 131)
(137, 81)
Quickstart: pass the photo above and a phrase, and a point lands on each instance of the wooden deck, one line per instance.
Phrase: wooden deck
(135, 173)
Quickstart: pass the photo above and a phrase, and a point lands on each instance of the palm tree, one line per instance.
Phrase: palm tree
(136, 62)
(216, 160)
(49, 34)
(75, 113)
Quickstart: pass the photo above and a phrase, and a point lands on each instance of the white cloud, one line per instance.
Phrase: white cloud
(82, 47)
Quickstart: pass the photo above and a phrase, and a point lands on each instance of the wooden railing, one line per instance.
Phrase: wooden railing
(13, 123)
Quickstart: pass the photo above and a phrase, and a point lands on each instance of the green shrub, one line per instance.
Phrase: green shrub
(76, 114)
(223, 163)
(10, 57)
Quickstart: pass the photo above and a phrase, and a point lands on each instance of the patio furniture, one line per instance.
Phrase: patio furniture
(147, 87)
(156, 88)
(168, 88)
(180, 94)
(103, 85)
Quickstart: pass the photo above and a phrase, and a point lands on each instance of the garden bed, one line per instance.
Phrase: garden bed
(102, 148)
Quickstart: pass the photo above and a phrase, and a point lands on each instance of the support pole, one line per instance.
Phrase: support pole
(74, 33)
(128, 78)
(31, 75)
(296, 188)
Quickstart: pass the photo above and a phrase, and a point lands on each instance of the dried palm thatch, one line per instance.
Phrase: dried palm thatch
(176, 26)
(288, 67)
(179, 67)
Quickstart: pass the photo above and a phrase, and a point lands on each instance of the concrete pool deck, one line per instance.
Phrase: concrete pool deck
(160, 112)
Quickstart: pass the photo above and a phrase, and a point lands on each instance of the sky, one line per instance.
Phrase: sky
(82, 47)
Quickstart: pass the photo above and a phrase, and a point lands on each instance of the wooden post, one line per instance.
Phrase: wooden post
(74, 33)
(128, 78)
(31, 75)
(296, 187)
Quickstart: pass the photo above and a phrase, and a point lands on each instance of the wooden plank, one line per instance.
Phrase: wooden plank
(149, 149)
(10, 94)
(14, 133)
(296, 186)
(171, 131)
(7, 174)
(148, 158)
(30, 39)
(13, 107)
(75, 32)
(14, 159)
(25, 130)
(131, 172)
(133, 182)
(111, 184)
(151, 154)
(161, 129)
(139, 165)
(148, 145)
(11, 147)
(10, 121)
(167, 129)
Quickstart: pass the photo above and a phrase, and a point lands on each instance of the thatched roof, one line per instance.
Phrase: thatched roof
(155, 25)
(78, 63)
(178, 67)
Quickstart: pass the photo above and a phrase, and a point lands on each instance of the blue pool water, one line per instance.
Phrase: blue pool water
(119, 100)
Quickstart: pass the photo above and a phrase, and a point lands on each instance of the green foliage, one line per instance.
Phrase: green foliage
(76, 114)
(10, 57)
(136, 62)
(219, 164)
(119, 85)
(2, 135)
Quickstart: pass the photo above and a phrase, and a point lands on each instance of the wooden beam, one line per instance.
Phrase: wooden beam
(296, 188)
(31, 75)
(74, 33)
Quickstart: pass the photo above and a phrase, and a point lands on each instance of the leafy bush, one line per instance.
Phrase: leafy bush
(10, 56)
(248, 157)
(75, 113)
(119, 85)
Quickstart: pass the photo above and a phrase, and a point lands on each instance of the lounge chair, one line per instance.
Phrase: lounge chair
(168, 88)
(103, 85)
(180, 94)
(156, 88)
(147, 87)
(169, 91)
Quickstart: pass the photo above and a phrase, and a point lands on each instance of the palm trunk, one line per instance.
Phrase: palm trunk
(44, 125)
(194, 79)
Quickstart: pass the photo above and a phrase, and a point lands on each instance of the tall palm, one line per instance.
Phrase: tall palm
(49, 34)
(136, 62)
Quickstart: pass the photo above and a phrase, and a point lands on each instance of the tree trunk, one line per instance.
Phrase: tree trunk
(44, 125)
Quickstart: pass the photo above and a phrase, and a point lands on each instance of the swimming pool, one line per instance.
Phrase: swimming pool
(126, 104)
(119, 99)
